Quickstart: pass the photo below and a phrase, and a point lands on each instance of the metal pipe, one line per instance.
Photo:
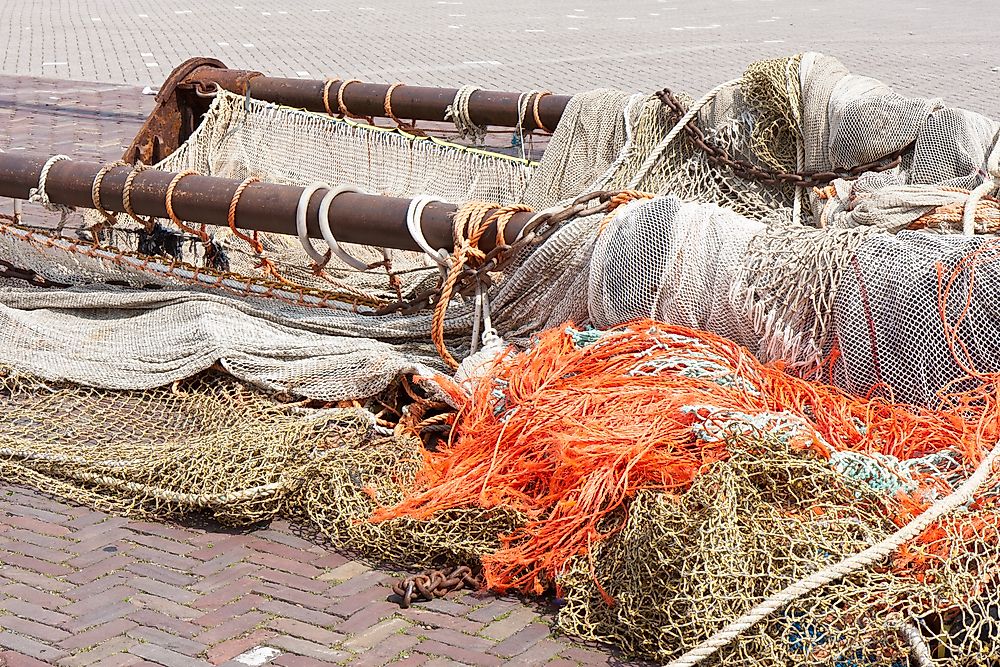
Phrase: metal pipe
(268, 207)
(486, 107)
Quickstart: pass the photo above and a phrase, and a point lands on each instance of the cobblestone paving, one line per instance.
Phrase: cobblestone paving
(79, 587)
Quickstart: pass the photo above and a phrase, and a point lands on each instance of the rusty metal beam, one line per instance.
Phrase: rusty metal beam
(486, 107)
(267, 207)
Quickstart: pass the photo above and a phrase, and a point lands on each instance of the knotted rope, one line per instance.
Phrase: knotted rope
(38, 195)
(470, 223)
(458, 113)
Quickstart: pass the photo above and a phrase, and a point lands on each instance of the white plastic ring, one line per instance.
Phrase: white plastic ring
(301, 226)
(413, 216)
(324, 227)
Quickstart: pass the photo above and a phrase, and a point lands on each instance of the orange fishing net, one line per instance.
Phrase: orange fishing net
(570, 430)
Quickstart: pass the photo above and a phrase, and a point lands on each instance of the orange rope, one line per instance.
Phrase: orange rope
(534, 111)
(326, 95)
(200, 233)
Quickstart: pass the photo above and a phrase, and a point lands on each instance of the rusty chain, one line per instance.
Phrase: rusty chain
(720, 157)
(432, 584)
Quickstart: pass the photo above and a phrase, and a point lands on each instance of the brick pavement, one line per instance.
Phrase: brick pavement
(921, 47)
(79, 587)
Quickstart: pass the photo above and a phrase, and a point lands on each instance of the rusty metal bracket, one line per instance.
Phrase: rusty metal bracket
(177, 113)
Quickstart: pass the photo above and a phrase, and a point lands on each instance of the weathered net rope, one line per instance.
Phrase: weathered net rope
(38, 194)
(840, 570)
(458, 113)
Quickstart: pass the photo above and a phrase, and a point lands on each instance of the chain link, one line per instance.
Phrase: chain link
(433, 584)
(720, 157)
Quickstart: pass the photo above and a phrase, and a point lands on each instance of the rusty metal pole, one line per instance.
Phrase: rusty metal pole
(267, 207)
(179, 107)
(486, 107)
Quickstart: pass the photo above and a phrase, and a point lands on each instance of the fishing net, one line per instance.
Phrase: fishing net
(663, 478)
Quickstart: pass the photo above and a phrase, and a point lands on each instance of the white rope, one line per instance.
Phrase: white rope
(522, 112)
(302, 228)
(458, 113)
(990, 182)
(919, 651)
(839, 570)
(662, 147)
(324, 227)
(38, 195)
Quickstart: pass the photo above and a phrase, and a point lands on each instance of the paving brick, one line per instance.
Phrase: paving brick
(161, 544)
(230, 649)
(371, 614)
(30, 647)
(517, 619)
(385, 651)
(542, 651)
(35, 525)
(293, 581)
(292, 660)
(241, 606)
(14, 659)
(493, 610)
(289, 626)
(309, 649)
(96, 600)
(438, 620)
(292, 595)
(285, 565)
(108, 652)
(46, 633)
(225, 595)
(165, 657)
(100, 586)
(165, 639)
(376, 634)
(174, 626)
(42, 582)
(521, 640)
(164, 574)
(102, 615)
(225, 576)
(351, 605)
(346, 571)
(98, 634)
(585, 656)
(234, 627)
(19, 607)
(312, 616)
(12, 559)
(434, 648)
(110, 565)
(164, 606)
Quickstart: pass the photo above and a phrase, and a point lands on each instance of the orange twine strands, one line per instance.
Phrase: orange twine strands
(580, 430)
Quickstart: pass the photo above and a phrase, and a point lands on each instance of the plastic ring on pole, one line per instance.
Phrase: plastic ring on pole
(413, 215)
(302, 228)
(324, 227)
